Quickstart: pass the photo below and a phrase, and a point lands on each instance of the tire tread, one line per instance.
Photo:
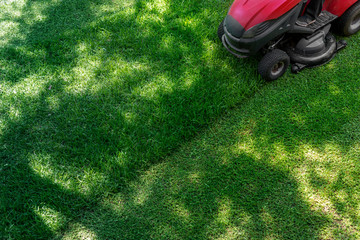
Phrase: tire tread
(269, 60)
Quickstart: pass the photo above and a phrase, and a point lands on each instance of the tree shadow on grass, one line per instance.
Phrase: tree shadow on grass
(203, 193)
(114, 97)
(88, 113)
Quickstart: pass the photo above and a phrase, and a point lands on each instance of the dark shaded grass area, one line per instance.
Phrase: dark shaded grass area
(92, 122)
(108, 129)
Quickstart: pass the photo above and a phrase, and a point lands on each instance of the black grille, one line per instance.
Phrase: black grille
(262, 28)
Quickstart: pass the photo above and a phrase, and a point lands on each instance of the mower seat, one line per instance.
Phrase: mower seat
(314, 8)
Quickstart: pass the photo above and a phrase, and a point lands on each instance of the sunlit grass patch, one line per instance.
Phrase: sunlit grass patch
(79, 231)
(159, 6)
(51, 218)
(8, 28)
(12, 8)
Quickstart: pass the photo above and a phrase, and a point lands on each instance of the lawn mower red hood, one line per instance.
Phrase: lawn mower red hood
(252, 12)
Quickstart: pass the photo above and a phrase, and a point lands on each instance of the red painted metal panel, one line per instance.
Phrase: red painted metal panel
(338, 7)
(252, 12)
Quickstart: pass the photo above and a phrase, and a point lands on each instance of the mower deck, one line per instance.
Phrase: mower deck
(298, 67)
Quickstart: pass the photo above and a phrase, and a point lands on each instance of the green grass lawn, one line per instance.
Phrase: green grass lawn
(126, 119)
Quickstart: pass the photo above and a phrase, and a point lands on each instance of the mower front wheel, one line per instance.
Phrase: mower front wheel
(349, 23)
(274, 64)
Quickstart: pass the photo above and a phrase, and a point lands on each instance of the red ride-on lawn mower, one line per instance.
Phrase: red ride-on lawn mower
(288, 31)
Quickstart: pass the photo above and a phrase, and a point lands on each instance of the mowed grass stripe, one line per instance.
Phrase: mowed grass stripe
(94, 93)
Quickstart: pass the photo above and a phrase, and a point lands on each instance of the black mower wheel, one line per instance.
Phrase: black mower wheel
(221, 30)
(273, 65)
(349, 23)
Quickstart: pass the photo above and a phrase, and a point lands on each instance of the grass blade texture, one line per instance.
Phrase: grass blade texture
(127, 119)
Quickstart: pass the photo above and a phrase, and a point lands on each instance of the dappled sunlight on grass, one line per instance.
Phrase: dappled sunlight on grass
(53, 101)
(53, 219)
(29, 88)
(159, 6)
(144, 191)
(195, 177)
(40, 164)
(231, 233)
(14, 113)
(155, 88)
(225, 216)
(179, 209)
(99, 102)
(7, 28)
(79, 231)
(317, 166)
(210, 52)
(224, 211)
(37, 12)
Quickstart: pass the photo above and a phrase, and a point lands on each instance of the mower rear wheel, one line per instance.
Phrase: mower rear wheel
(349, 23)
(221, 30)
(273, 65)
